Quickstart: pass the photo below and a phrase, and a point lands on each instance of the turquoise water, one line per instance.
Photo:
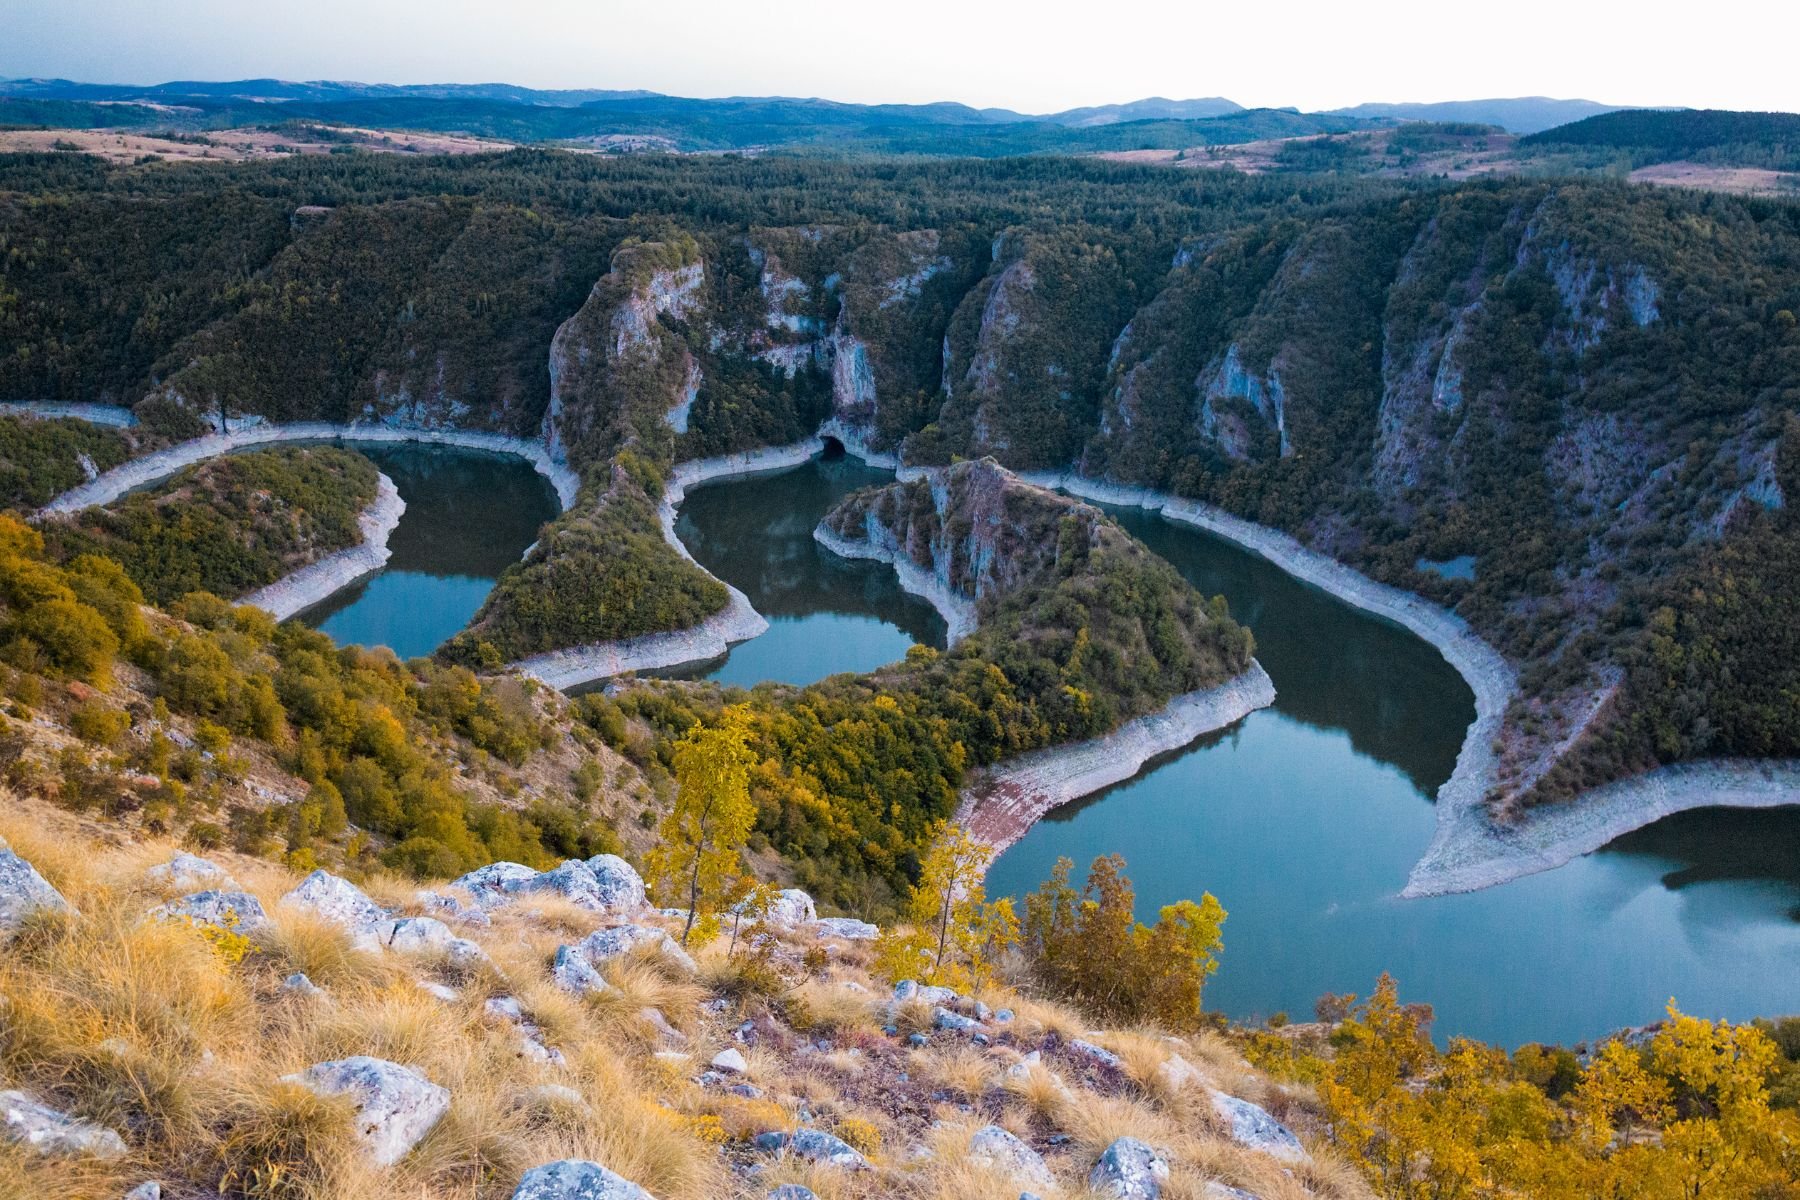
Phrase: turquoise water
(469, 515)
(1305, 818)
(826, 614)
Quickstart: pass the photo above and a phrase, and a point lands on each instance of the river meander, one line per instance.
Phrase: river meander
(1305, 818)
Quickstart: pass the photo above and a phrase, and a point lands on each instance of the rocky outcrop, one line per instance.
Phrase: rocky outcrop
(1258, 397)
(24, 892)
(38, 1127)
(396, 1106)
(576, 1179)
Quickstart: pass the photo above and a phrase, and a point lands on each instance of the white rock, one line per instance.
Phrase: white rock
(151, 1190)
(1129, 1170)
(396, 1105)
(790, 908)
(336, 900)
(847, 928)
(994, 1147)
(604, 883)
(23, 891)
(41, 1128)
(488, 885)
(190, 873)
(1253, 1127)
(1178, 1073)
(943, 1018)
(575, 974)
(239, 912)
(1214, 1190)
(603, 944)
(621, 887)
(452, 908)
(731, 1059)
(551, 1095)
(430, 988)
(576, 1179)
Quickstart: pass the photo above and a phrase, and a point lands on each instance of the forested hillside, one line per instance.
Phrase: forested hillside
(1751, 139)
(1585, 387)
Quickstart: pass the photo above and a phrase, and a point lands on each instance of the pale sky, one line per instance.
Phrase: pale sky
(1034, 57)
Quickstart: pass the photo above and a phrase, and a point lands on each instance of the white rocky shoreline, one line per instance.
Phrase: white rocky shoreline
(314, 582)
(110, 485)
(1468, 851)
(958, 611)
(1002, 802)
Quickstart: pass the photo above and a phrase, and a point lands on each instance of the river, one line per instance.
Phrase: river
(470, 514)
(1305, 818)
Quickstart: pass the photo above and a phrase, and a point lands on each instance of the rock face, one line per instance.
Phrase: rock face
(23, 891)
(1129, 1170)
(396, 1106)
(236, 911)
(1253, 1127)
(994, 1147)
(41, 1128)
(189, 873)
(576, 1179)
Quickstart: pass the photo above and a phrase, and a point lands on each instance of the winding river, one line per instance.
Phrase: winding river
(1305, 818)
(470, 514)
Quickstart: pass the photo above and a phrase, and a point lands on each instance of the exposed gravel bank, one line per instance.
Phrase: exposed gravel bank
(315, 581)
(160, 465)
(1002, 802)
(957, 610)
(98, 414)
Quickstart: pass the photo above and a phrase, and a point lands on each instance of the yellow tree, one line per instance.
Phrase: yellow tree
(699, 852)
(955, 935)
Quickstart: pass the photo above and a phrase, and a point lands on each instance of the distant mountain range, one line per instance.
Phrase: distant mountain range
(1524, 115)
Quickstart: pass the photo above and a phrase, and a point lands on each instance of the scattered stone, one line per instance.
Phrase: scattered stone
(982, 1039)
(814, 1145)
(338, 901)
(938, 995)
(905, 990)
(792, 1191)
(239, 912)
(748, 1091)
(575, 974)
(396, 1105)
(917, 1040)
(603, 944)
(1215, 1190)
(1095, 1054)
(994, 1147)
(298, 984)
(1129, 1170)
(1177, 1073)
(1253, 1127)
(430, 988)
(576, 1179)
(428, 935)
(151, 1190)
(1022, 1070)
(847, 928)
(732, 1060)
(655, 1019)
(190, 873)
(1003, 1016)
(943, 1018)
(23, 891)
(43, 1129)
(980, 1011)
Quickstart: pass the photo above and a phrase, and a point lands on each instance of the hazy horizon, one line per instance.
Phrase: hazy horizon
(1051, 57)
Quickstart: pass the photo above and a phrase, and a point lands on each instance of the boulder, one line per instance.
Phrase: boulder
(573, 973)
(452, 908)
(814, 1145)
(1129, 1170)
(239, 912)
(336, 900)
(41, 1128)
(621, 887)
(1253, 1127)
(731, 1059)
(576, 1179)
(847, 928)
(298, 984)
(189, 873)
(150, 1190)
(791, 1191)
(427, 935)
(790, 908)
(23, 891)
(943, 1018)
(605, 944)
(997, 1149)
(396, 1106)
(488, 886)
(1095, 1054)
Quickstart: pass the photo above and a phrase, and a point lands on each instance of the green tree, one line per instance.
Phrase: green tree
(699, 855)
